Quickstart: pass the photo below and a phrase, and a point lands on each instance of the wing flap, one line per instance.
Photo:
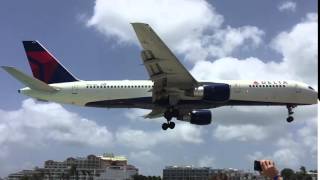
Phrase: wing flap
(155, 113)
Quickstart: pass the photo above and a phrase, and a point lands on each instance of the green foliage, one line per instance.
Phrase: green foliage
(142, 177)
(289, 174)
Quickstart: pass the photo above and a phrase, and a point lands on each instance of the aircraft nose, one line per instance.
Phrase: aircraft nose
(314, 97)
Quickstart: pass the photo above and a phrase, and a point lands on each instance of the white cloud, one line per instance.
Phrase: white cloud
(206, 161)
(38, 124)
(140, 139)
(144, 157)
(138, 115)
(113, 18)
(258, 155)
(299, 59)
(224, 41)
(147, 161)
(245, 132)
(299, 48)
(293, 149)
(197, 34)
(287, 6)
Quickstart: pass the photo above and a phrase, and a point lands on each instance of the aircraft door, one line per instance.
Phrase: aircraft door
(75, 89)
(297, 88)
(237, 88)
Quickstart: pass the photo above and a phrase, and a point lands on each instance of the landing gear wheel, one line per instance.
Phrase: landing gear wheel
(290, 119)
(172, 125)
(290, 112)
(165, 126)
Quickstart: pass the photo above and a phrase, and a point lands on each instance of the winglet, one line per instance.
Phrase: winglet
(29, 81)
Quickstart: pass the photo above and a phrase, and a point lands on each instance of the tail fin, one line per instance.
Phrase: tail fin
(45, 66)
(31, 82)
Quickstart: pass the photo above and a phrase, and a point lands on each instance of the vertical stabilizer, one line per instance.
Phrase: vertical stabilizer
(44, 65)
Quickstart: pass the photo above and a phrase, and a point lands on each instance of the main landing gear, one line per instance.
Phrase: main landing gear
(290, 112)
(168, 115)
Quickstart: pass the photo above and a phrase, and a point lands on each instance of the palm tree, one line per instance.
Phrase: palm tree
(73, 171)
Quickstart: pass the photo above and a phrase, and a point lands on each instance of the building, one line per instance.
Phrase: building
(186, 173)
(206, 173)
(118, 173)
(24, 173)
(234, 174)
(91, 167)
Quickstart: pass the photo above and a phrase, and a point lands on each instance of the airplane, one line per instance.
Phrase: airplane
(171, 91)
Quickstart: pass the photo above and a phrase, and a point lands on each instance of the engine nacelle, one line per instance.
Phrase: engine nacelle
(213, 92)
(198, 117)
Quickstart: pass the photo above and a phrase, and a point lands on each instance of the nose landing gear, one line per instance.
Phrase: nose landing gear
(290, 112)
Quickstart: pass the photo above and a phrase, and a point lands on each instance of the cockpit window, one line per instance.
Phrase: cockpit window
(310, 88)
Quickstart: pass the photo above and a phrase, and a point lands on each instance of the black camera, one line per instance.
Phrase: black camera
(257, 166)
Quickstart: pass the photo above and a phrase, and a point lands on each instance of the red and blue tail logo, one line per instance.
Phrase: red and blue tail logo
(45, 66)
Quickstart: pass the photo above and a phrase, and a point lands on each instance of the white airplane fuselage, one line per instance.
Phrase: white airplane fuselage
(138, 94)
(171, 92)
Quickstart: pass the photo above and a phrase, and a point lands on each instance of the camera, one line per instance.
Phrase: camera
(257, 166)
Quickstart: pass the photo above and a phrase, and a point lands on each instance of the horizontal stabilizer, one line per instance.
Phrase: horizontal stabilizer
(29, 81)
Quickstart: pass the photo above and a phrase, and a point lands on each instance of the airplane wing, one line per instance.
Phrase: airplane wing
(169, 76)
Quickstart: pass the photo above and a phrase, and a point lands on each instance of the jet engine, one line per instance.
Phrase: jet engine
(198, 117)
(218, 92)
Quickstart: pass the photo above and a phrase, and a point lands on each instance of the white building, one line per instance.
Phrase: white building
(125, 172)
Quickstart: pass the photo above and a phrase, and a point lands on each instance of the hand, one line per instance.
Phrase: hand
(269, 169)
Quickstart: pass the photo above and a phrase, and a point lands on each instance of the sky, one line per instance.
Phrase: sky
(249, 39)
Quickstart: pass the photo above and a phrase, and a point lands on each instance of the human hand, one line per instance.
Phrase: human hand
(269, 169)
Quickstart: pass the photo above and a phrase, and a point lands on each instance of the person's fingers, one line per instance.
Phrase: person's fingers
(264, 165)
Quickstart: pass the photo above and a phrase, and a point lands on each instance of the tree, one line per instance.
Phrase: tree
(25, 177)
(303, 170)
(287, 174)
(142, 177)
